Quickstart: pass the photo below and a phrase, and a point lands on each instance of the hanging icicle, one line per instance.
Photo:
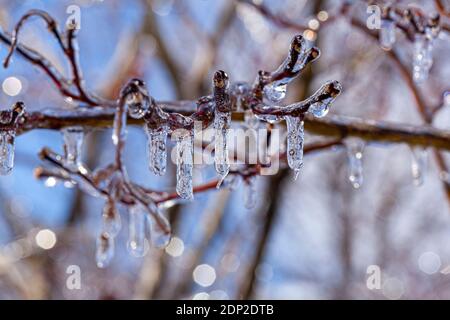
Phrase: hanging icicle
(222, 121)
(111, 222)
(387, 31)
(73, 143)
(105, 250)
(418, 165)
(355, 148)
(158, 236)
(422, 58)
(250, 195)
(185, 151)
(157, 149)
(295, 141)
(9, 119)
(137, 244)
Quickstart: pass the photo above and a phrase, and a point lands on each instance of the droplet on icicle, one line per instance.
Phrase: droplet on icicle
(184, 150)
(73, 143)
(295, 142)
(355, 148)
(105, 250)
(157, 149)
(331, 89)
(418, 165)
(137, 244)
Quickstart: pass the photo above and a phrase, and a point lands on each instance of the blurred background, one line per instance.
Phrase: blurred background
(312, 238)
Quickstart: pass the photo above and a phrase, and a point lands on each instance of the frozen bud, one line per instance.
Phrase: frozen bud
(137, 98)
(220, 80)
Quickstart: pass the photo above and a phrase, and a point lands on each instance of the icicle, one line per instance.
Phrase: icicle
(418, 165)
(105, 250)
(423, 58)
(73, 142)
(355, 148)
(157, 149)
(295, 140)
(221, 128)
(159, 237)
(8, 121)
(7, 138)
(250, 193)
(387, 34)
(137, 244)
(111, 222)
(184, 166)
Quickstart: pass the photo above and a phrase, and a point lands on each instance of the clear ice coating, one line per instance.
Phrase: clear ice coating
(418, 165)
(157, 149)
(295, 141)
(120, 125)
(159, 237)
(73, 143)
(275, 91)
(355, 148)
(250, 193)
(7, 137)
(111, 222)
(250, 119)
(185, 150)
(387, 34)
(422, 58)
(137, 244)
(105, 250)
(221, 128)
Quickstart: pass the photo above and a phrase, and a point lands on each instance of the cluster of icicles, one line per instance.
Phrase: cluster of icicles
(423, 41)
